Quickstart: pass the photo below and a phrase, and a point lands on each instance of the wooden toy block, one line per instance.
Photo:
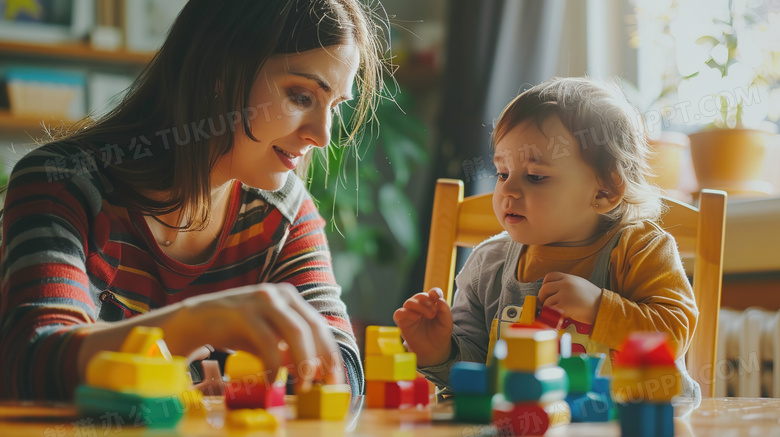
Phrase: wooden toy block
(596, 362)
(559, 413)
(551, 317)
(375, 394)
(422, 394)
(646, 419)
(390, 368)
(243, 363)
(154, 412)
(529, 349)
(399, 394)
(589, 407)
(471, 408)
(133, 373)
(240, 394)
(656, 384)
(528, 313)
(192, 400)
(250, 418)
(547, 384)
(469, 378)
(520, 419)
(496, 371)
(602, 385)
(577, 369)
(383, 340)
(645, 349)
(664, 419)
(324, 402)
(146, 341)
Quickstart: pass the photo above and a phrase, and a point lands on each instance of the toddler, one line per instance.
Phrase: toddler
(580, 234)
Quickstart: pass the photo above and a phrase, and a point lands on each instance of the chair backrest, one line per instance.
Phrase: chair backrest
(458, 222)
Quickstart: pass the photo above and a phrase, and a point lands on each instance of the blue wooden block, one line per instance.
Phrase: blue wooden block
(547, 384)
(637, 420)
(596, 362)
(589, 407)
(664, 420)
(602, 386)
(469, 378)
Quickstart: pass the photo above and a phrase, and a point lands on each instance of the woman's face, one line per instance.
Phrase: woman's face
(291, 108)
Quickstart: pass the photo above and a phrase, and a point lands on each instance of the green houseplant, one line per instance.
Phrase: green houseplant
(729, 82)
(720, 86)
(362, 191)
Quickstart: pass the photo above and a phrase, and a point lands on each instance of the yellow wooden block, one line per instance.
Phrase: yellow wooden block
(528, 349)
(133, 373)
(383, 340)
(241, 364)
(636, 384)
(528, 314)
(391, 368)
(558, 412)
(250, 418)
(325, 402)
(192, 400)
(146, 341)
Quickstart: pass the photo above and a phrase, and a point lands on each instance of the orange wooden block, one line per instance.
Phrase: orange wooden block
(375, 394)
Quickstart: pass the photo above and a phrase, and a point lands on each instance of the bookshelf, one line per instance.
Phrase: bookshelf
(79, 53)
(74, 52)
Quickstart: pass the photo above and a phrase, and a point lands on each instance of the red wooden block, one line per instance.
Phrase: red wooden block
(552, 317)
(520, 419)
(399, 393)
(645, 349)
(239, 394)
(421, 391)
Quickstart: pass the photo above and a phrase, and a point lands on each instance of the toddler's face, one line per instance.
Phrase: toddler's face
(545, 193)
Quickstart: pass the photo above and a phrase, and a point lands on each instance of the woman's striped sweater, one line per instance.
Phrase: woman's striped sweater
(72, 255)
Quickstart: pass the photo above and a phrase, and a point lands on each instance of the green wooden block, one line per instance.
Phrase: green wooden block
(578, 370)
(133, 409)
(473, 408)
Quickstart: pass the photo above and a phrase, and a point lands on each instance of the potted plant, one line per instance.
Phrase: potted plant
(668, 148)
(729, 63)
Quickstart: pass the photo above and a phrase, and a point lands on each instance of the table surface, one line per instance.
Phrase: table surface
(736, 417)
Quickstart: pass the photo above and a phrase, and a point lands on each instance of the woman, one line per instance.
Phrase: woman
(180, 209)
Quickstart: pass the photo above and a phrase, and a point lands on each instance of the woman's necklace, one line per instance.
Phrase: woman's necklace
(218, 207)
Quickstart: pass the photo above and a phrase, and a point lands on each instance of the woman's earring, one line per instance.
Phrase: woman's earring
(596, 205)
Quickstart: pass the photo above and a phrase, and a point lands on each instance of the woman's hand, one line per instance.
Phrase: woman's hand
(426, 326)
(271, 321)
(577, 297)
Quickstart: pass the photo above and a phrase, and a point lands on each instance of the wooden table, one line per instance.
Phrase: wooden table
(737, 417)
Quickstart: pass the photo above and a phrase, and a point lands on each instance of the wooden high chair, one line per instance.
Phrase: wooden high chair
(458, 222)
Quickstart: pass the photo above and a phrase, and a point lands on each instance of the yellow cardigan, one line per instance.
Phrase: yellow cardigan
(650, 291)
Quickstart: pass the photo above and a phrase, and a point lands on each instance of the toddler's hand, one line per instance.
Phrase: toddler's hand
(426, 326)
(577, 297)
